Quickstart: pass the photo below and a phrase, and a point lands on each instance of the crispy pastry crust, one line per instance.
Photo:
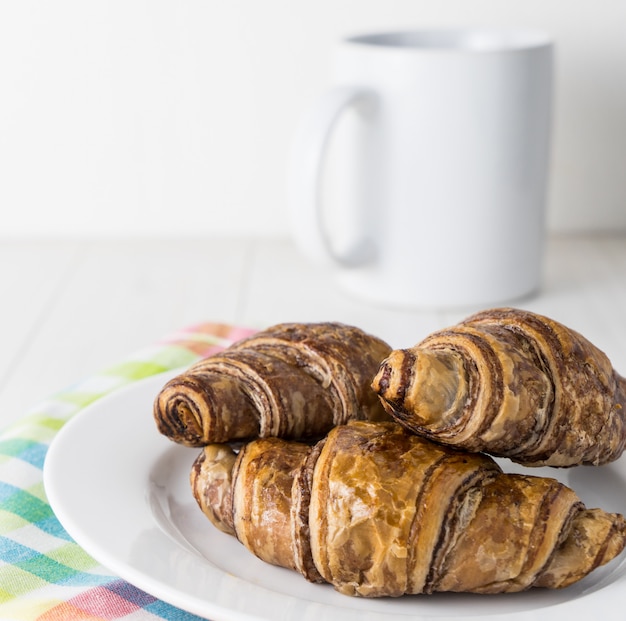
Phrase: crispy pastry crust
(511, 383)
(292, 380)
(378, 511)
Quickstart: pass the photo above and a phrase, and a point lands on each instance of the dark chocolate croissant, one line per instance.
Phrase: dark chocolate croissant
(292, 380)
(378, 511)
(511, 383)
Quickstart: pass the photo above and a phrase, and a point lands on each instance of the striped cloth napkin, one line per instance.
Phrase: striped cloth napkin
(44, 574)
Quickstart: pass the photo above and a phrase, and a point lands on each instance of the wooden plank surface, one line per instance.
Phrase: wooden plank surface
(71, 308)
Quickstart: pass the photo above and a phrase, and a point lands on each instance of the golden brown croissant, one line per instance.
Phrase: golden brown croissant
(510, 383)
(378, 511)
(291, 380)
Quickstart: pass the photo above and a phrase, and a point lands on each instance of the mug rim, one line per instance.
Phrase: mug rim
(463, 40)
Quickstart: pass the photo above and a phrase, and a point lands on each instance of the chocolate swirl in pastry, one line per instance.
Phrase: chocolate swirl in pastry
(511, 383)
(291, 380)
(378, 511)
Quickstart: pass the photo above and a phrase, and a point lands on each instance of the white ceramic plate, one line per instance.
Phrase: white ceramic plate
(121, 490)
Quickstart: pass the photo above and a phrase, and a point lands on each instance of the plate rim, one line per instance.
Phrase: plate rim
(584, 604)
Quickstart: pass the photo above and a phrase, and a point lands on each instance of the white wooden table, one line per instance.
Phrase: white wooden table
(71, 308)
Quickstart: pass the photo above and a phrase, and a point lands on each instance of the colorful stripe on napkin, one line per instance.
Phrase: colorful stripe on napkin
(44, 574)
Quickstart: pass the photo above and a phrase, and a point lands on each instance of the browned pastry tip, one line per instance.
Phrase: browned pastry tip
(292, 380)
(511, 383)
(378, 511)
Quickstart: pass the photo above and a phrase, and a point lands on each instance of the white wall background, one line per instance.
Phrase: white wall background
(157, 117)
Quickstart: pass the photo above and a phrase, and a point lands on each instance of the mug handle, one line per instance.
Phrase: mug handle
(305, 179)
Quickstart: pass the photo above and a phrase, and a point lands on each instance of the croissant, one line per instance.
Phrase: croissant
(291, 380)
(510, 383)
(378, 511)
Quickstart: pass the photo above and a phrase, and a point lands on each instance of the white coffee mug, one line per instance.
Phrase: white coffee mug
(440, 147)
